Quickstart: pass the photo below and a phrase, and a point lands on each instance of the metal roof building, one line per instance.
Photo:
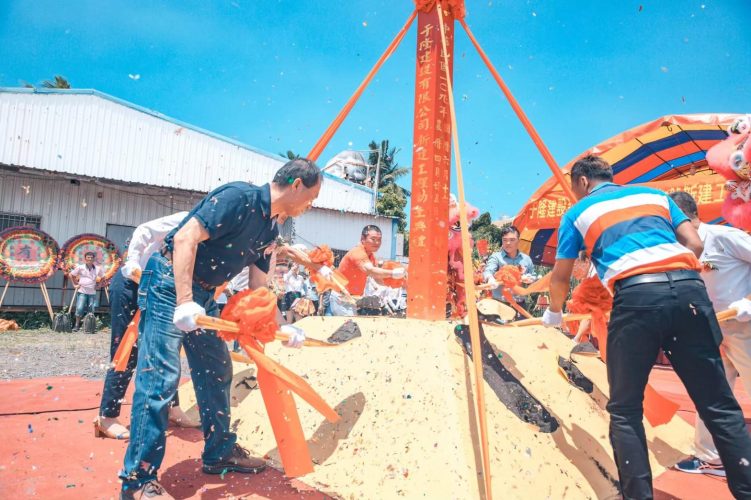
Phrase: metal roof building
(80, 161)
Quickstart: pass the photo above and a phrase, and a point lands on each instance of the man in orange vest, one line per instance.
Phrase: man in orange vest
(357, 265)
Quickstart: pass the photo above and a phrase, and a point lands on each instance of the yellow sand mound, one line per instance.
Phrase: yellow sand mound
(403, 390)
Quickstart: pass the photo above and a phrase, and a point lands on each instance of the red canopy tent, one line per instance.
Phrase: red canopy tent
(667, 153)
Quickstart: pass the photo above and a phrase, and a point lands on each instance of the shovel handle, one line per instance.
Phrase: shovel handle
(72, 300)
(212, 323)
(721, 316)
(538, 321)
(726, 314)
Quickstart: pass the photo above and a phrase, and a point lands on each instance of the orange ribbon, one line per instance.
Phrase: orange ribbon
(323, 255)
(390, 265)
(120, 360)
(251, 318)
(510, 278)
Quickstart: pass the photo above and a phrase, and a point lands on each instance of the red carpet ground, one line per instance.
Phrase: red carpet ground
(48, 450)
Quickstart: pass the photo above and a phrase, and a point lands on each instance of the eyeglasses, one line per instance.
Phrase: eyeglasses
(509, 240)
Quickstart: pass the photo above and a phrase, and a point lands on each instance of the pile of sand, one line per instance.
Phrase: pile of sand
(403, 390)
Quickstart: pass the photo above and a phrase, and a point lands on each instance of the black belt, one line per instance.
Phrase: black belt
(666, 277)
(167, 254)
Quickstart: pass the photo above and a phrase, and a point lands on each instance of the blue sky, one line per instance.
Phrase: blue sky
(273, 74)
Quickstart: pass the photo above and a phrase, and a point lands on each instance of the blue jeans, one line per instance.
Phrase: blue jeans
(123, 306)
(86, 304)
(158, 374)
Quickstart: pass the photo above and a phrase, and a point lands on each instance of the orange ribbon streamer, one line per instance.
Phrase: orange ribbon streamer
(590, 296)
(544, 151)
(254, 313)
(323, 141)
(510, 278)
(469, 285)
(323, 255)
(120, 360)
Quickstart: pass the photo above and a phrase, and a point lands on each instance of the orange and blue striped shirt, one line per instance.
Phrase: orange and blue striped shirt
(626, 230)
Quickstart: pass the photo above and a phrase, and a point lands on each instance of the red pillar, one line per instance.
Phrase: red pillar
(431, 168)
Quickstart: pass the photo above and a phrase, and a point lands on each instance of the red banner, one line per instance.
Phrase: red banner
(431, 160)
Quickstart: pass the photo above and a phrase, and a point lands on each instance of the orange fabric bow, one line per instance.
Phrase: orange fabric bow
(254, 313)
(510, 278)
(390, 265)
(323, 255)
(590, 296)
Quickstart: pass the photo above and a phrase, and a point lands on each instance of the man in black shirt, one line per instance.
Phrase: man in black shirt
(234, 226)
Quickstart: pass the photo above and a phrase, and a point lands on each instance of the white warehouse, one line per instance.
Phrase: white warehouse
(79, 161)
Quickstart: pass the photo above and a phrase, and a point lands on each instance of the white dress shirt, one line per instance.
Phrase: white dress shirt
(241, 281)
(149, 236)
(293, 282)
(728, 251)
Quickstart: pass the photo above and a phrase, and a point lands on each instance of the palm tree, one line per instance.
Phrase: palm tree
(290, 155)
(384, 157)
(59, 83)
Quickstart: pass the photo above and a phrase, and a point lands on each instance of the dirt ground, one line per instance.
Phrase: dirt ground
(43, 353)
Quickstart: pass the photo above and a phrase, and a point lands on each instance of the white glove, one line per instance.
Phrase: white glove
(325, 271)
(295, 336)
(129, 268)
(743, 308)
(492, 282)
(398, 273)
(185, 316)
(550, 318)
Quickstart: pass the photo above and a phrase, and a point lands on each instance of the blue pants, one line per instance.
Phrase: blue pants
(86, 304)
(158, 374)
(123, 306)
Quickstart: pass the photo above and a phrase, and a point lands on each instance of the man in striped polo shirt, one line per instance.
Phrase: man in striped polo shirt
(645, 252)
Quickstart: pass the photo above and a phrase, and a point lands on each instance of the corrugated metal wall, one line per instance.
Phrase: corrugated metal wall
(87, 133)
(68, 210)
(342, 233)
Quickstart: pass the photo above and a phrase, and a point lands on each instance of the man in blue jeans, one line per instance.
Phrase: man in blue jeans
(86, 276)
(234, 226)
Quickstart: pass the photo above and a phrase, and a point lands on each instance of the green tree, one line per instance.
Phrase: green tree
(392, 198)
(392, 202)
(384, 157)
(290, 155)
(59, 82)
(482, 228)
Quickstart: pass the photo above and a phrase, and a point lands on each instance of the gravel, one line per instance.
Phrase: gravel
(44, 353)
